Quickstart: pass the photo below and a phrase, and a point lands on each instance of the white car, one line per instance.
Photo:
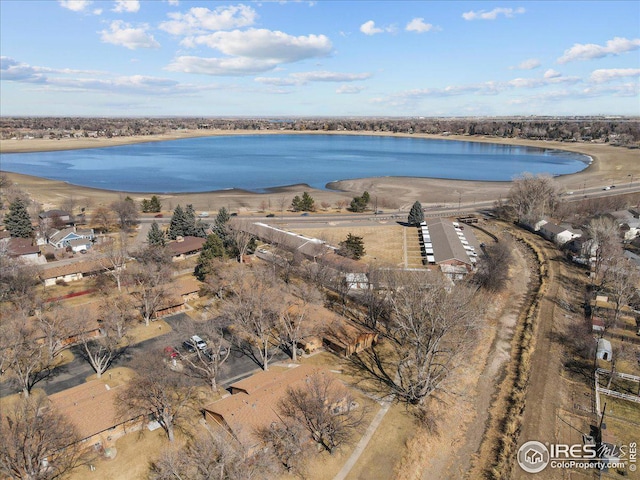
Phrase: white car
(195, 342)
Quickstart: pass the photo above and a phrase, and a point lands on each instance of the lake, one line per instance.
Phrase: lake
(257, 162)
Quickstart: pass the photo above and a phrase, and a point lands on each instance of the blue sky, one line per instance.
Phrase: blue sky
(319, 58)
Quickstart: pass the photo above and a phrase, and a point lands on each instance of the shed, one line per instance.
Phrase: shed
(604, 351)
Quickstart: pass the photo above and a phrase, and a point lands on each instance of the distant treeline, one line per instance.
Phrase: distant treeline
(623, 131)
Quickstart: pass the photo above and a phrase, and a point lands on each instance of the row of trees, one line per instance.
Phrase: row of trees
(623, 131)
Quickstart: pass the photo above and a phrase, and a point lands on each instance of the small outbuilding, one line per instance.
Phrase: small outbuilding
(604, 351)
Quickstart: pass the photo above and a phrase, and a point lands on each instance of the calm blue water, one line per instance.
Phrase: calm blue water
(257, 162)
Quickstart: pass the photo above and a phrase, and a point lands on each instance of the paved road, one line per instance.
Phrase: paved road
(76, 372)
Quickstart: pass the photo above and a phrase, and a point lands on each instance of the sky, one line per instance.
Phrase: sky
(120, 58)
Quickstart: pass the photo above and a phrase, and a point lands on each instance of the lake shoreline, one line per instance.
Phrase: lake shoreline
(609, 165)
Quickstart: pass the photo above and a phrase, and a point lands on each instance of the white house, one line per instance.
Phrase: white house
(71, 237)
(558, 234)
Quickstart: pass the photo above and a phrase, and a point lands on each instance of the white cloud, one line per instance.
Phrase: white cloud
(528, 64)
(418, 25)
(303, 78)
(270, 45)
(123, 34)
(75, 5)
(349, 89)
(129, 6)
(550, 77)
(606, 75)
(236, 66)
(493, 14)
(199, 20)
(369, 28)
(97, 11)
(174, 3)
(322, 76)
(590, 51)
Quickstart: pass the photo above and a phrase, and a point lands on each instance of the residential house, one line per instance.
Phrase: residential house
(76, 239)
(55, 218)
(69, 272)
(357, 281)
(23, 249)
(91, 409)
(347, 338)
(253, 403)
(181, 291)
(557, 233)
(184, 247)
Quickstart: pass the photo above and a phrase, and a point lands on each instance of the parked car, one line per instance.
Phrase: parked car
(607, 188)
(171, 352)
(198, 342)
(304, 214)
(271, 215)
(158, 215)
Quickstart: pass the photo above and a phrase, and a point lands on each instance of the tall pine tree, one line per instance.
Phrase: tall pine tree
(17, 220)
(416, 214)
(177, 224)
(155, 237)
(212, 248)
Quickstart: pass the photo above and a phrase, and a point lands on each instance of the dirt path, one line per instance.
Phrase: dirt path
(546, 390)
(498, 356)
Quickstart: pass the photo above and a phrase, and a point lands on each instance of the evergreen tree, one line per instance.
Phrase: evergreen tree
(220, 224)
(304, 204)
(212, 248)
(178, 223)
(155, 205)
(416, 214)
(17, 220)
(151, 206)
(190, 221)
(359, 204)
(156, 236)
(352, 247)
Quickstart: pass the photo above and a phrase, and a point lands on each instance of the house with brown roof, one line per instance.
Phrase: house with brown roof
(254, 401)
(184, 247)
(24, 249)
(347, 338)
(91, 408)
(182, 290)
(69, 272)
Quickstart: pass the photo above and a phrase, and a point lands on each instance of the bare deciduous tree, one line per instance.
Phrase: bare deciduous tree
(253, 308)
(533, 197)
(212, 455)
(295, 323)
(158, 392)
(206, 364)
(23, 356)
(38, 443)
(127, 212)
(493, 267)
(326, 409)
(111, 342)
(102, 219)
(603, 245)
(430, 329)
(114, 256)
(621, 284)
(150, 278)
(287, 442)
